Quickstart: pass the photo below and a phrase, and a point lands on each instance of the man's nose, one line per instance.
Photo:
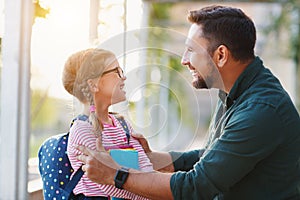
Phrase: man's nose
(185, 59)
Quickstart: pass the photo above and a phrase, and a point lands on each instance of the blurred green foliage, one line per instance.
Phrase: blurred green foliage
(169, 65)
(289, 18)
(42, 110)
(159, 11)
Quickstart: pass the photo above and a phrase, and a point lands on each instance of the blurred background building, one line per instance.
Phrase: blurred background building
(148, 39)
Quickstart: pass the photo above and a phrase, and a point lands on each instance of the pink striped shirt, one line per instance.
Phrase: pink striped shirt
(112, 135)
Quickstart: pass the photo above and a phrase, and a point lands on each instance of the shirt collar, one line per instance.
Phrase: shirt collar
(242, 83)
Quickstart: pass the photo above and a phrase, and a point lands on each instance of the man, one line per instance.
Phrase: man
(254, 146)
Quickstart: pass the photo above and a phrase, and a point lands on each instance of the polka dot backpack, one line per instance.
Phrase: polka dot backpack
(55, 168)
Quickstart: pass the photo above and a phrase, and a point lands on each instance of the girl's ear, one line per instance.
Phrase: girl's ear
(92, 85)
(221, 55)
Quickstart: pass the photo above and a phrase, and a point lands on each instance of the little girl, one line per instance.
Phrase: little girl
(95, 78)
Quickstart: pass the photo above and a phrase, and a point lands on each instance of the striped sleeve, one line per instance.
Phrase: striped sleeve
(80, 134)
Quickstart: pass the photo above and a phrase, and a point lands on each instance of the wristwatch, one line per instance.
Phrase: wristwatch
(121, 177)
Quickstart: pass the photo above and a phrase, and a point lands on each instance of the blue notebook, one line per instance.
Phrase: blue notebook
(126, 157)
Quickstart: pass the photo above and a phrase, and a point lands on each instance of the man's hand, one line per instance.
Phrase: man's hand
(98, 164)
(143, 142)
(161, 161)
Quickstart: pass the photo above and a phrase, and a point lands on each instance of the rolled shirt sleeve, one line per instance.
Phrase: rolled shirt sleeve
(185, 161)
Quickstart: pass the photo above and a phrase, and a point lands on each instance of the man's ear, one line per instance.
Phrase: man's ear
(222, 53)
(92, 85)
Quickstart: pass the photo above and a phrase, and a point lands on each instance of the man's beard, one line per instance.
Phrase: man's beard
(200, 83)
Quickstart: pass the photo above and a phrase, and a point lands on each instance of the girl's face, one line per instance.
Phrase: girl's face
(111, 85)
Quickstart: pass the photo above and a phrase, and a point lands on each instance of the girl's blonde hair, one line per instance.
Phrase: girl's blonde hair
(78, 69)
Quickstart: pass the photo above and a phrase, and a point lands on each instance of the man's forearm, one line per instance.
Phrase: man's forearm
(153, 185)
(162, 161)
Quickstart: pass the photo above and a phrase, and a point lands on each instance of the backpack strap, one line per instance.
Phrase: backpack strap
(79, 173)
(79, 117)
(73, 182)
(125, 127)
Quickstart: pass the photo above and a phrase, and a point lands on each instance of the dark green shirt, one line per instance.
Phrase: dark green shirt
(254, 146)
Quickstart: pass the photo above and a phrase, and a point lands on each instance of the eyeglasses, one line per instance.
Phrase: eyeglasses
(116, 70)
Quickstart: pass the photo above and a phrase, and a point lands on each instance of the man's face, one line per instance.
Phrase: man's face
(197, 60)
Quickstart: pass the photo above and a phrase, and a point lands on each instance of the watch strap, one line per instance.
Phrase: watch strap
(121, 177)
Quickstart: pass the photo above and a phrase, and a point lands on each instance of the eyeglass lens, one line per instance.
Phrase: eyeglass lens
(120, 72)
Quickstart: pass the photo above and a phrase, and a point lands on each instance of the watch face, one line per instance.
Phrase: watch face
(120, 174)
(121, 177)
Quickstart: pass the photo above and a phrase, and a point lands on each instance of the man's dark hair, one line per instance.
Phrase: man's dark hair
(226, 26)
